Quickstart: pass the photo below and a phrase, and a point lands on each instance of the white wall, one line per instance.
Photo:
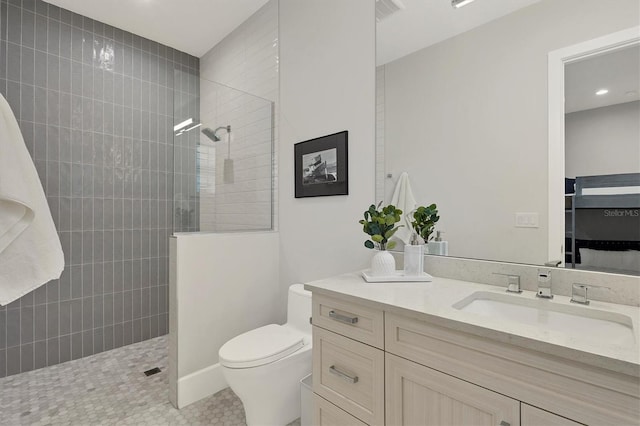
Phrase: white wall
(221, 285)
(603, 140)
(327, 84)
(247, 61)
(467, 118)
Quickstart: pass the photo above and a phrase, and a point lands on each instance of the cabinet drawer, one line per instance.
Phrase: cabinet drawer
(349, 374)
(356, 321)
(327, 414)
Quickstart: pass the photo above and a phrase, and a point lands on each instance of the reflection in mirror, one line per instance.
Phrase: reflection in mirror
(602, 161)
(466, 115)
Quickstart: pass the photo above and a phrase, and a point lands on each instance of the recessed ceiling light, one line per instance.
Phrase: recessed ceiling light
(631, 93)
(602, 92)
(457, 4)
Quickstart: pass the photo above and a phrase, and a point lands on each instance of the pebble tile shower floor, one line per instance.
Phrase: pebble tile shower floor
(109, 388)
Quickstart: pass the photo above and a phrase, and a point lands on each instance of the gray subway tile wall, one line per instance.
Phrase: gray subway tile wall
(95, 106)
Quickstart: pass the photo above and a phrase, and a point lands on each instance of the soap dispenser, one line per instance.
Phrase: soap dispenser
(438, 247)
(413, 257)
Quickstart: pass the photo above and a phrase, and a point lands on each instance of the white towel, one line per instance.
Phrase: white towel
(30, 250)
(403, 199)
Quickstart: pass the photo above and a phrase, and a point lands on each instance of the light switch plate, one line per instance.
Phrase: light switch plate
(527, 220)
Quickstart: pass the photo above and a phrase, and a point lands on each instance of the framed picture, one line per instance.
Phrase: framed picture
(321, 166)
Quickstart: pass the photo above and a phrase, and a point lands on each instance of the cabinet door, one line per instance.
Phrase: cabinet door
(418, 395)
(532, 416)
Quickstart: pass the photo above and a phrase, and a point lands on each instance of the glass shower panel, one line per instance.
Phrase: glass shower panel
(186, 111)
(223, 158)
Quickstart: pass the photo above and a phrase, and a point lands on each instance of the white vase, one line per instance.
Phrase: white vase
(383, 263)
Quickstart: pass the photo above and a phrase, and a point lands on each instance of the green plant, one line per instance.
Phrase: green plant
(381, 225)
(424, 220)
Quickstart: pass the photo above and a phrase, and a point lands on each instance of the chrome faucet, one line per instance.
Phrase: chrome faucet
(579, 293)
(513, 282)
(544, 284)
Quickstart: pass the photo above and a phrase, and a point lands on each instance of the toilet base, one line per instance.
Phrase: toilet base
(270, 393)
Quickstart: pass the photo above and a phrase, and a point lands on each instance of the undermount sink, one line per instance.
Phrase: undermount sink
(580, 322)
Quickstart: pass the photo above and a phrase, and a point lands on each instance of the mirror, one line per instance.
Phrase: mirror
(594, 122)
(467, 117)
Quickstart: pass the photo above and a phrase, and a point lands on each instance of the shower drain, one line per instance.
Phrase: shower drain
(151, 372)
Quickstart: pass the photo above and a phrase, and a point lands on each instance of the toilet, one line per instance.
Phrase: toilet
(264, 366)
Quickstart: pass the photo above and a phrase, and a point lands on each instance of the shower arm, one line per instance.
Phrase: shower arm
(228, 129)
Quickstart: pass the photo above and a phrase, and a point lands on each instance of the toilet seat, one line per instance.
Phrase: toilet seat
(260, 346)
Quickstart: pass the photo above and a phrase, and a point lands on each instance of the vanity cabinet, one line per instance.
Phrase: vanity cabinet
(406, 368)
(562, 386)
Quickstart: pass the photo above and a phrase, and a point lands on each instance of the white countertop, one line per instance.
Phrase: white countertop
(434, 300)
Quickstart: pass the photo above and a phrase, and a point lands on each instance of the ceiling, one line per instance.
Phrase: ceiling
(195, 26)
(617, 71)
(426, 22)
(192, 26)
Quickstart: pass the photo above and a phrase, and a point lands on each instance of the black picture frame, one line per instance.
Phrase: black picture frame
(321, 166)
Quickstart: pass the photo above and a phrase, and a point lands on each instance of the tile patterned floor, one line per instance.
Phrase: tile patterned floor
(109, 389)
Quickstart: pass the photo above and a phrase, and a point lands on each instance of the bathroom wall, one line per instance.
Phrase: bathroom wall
(95, 106)
(327, 84)
(493, 80)
(603, 140)
(245, 60)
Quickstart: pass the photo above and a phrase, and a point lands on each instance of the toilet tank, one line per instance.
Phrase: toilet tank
(299, 308)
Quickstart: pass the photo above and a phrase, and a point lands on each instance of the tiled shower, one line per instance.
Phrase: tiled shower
(95, 106)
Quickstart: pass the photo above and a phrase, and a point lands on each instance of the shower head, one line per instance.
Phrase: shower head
(212, 134)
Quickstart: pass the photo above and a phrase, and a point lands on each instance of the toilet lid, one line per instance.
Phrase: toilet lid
(260, 346)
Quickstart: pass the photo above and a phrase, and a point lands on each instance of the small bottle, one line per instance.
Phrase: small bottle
(438, 247)
(413, 257)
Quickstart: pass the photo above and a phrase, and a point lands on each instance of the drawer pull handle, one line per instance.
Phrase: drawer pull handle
(344, 376)
(503, 423)
(343, 318)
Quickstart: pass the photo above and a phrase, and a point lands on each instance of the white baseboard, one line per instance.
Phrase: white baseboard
(201, 384)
